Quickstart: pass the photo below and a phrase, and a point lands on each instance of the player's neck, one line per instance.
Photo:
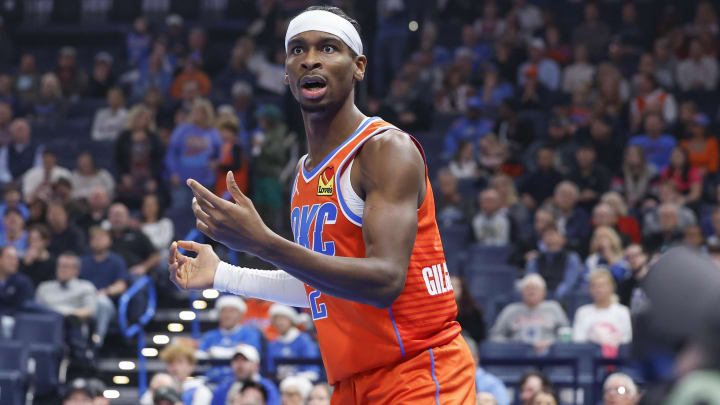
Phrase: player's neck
(326, 131)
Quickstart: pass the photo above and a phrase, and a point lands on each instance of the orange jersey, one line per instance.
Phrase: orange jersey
(356, 337)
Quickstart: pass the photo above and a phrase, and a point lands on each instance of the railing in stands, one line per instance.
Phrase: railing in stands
(136, 329)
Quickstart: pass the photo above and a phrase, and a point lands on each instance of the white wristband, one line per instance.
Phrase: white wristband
(271, 285)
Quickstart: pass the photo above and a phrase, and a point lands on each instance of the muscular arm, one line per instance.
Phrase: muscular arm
(391, 177)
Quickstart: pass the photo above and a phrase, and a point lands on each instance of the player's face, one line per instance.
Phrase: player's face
(321, 71)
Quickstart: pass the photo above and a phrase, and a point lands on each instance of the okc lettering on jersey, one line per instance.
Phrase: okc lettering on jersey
(307, 224)
(437, 279)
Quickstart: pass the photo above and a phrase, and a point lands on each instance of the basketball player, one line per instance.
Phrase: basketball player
(367, 258)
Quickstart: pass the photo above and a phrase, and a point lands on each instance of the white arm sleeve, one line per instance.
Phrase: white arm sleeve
(271, 285)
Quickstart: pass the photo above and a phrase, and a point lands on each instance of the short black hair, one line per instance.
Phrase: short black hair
(256, 385)
(338, 11)
(12, 210)
(546, 384)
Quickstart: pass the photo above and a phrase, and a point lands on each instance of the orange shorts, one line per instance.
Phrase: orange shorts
(440, 375)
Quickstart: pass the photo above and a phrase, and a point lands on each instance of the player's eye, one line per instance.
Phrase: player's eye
(296, 50)
(329, 48)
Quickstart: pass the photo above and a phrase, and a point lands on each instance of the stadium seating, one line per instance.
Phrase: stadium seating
(509, 374)
(13, 372)
(42, 336)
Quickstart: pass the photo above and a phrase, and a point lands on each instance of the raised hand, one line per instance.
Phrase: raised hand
(192, 273)
(236, 225)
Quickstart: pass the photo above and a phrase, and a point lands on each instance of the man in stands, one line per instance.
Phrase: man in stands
(38, 181)
(534, 320)
(245, 365)
(67, 294)
(220, 343)
(64, 236)
(14, 233)
(15, 288)
(20, 155)
(532, 383)
(108, 273)
(291, 342)
(131, 244)
(562, 269)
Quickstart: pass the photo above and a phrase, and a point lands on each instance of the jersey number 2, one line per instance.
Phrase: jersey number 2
(319, 311)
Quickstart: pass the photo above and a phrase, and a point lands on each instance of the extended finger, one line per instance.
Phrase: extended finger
(202, 193)
(172, 257)
(202, 227)
(233, 188)
(189, 245)
(200, 213)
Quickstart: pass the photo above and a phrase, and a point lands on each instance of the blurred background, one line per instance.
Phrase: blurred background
(570, 144)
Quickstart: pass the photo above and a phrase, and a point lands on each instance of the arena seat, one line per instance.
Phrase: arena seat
(489, 255)
(13, 372)
(498, 351)
(455, 240)
(42, 336)
(584, 352)
(489, 280)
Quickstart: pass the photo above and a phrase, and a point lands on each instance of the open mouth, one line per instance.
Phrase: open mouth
(313, 87)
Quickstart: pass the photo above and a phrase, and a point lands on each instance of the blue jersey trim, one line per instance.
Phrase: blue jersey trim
(434, 377)
(397, 333)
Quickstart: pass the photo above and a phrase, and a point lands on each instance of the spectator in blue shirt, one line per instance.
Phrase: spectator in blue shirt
(493, 91)
(562, 269)
(469, 128)
(108, 273)
(220, 343)
(485, 381)
(657, 145)
(153, 72)
(13, 199)
(291, 343)
(548, 71)
(245, 365)
(15, 288)
(138, 41)
(14, 233)
(193, 152)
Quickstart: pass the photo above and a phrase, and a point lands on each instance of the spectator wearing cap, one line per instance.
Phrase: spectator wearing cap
(110, 121)
(534, 320)
(37, 182)
(26, 83)
(108, 273)
(21, 154)
(580, 73)
(191, 72)
(295, 390)
(274, 148)
(102, 78)
(702, 148)
(154, 72)
(220, 343)
(175, 35)
(591, 177)
(138, 41)
(14, 233)
(469, 128)
(561, 268)
(180, 362)
(290, 343)
(699, 72)
(245, 363)
(78, 392)
(620, 389)
(657, 145)
(73, 79)
(538, 65)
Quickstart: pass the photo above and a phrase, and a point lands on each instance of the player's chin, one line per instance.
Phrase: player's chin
(314, 107)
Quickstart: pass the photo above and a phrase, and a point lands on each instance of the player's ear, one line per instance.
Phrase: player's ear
(286, 80)
(360, 64)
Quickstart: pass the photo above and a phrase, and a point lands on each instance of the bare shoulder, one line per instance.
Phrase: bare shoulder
(390, 160)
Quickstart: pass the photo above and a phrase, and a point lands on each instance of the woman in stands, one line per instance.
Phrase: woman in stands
(687, 179)
(702, 149)
(605, 321)
(606, 249)
(155, 226)
(470, 316)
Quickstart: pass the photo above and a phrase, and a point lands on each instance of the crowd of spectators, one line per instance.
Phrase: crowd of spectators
(583, 140)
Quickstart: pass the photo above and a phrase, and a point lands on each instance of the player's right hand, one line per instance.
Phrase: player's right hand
(192, 273)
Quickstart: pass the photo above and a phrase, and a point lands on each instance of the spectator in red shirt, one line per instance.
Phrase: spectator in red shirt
(687, 179)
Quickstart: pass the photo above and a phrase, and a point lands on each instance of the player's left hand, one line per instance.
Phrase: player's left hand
(236, 225)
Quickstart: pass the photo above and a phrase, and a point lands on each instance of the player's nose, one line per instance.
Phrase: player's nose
(311, 61)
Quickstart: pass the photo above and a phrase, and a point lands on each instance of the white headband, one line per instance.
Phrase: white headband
(325, 21)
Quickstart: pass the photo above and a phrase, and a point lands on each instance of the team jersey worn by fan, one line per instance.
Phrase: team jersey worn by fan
(327, 218)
